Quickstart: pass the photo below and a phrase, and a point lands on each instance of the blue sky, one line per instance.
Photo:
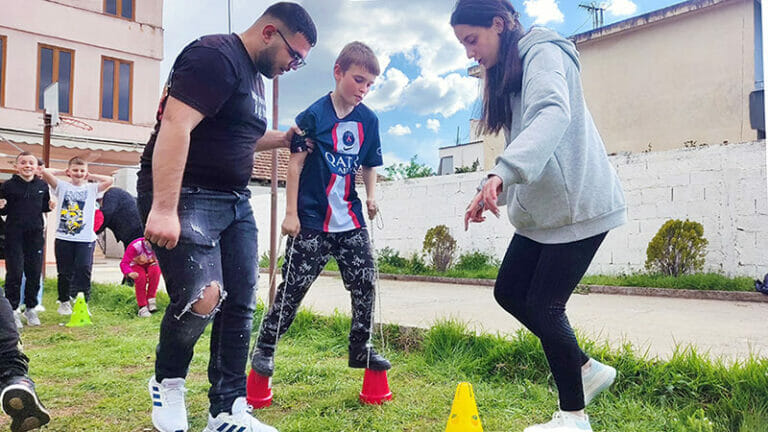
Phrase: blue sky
(424, 97)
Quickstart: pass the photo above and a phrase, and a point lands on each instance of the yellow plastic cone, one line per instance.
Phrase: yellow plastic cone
(464, 416)
(80, 316)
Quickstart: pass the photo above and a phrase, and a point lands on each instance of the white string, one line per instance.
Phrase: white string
(378, 223)
(285, 287)
(272, 277)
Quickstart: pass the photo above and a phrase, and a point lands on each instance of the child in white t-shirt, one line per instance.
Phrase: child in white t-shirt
(75, 237)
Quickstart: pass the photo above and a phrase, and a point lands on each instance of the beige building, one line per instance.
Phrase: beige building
(480, 148)
(105, 56)
(678, 75)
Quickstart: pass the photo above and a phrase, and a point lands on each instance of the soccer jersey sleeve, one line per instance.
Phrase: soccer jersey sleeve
(372, 145)
(204, 79)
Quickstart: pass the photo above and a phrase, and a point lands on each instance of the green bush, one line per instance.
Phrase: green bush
(440, 246)
(416, 265)
(476, 260)
(391, 257)
(264, 260)
(678, 248)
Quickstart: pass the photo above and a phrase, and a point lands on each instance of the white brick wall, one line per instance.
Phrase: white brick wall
(723, 187)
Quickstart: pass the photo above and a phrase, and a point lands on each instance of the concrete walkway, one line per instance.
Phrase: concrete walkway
(731, 330)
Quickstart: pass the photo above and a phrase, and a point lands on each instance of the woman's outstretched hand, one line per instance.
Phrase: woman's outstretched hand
(484, 200)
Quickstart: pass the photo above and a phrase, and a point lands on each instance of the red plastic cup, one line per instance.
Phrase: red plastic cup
(375, 388)
(258, 390)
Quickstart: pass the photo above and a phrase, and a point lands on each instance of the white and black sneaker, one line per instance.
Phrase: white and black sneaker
(20, 402)
(169, 410)
(240, 420)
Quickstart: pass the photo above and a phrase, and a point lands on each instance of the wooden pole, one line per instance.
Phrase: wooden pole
(47, 126)
(273, 202)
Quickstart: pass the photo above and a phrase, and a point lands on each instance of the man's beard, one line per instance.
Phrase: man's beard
(265, 64)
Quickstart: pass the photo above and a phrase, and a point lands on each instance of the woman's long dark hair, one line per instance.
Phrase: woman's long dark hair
(506, 76)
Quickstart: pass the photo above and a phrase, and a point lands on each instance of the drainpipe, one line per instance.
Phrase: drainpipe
(757, 97)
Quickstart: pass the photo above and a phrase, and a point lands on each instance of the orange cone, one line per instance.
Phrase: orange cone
(258, 390)
(375, 388)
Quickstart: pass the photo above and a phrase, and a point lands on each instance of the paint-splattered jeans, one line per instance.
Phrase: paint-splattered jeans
(217, 246)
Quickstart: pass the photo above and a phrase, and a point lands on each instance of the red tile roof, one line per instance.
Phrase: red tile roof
(262, 167)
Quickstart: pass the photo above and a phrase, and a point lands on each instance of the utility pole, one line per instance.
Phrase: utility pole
(229, 16)
(596, 10)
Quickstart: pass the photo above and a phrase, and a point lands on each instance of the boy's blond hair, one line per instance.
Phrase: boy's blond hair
(360, 54)
(77, 160)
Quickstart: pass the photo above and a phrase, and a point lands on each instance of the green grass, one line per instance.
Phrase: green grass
(702, 281)
(94, 378)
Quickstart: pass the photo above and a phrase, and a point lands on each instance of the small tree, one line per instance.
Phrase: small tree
(466, 169)
(411, 170)
(440, 246)
(677, 248)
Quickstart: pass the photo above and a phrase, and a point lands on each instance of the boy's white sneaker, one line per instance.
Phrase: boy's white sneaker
(65, 308)
(597, 378)
(563, 422)
(17, 320)
(144, 312)
(31, 316)
(240, 420)
(169, 410)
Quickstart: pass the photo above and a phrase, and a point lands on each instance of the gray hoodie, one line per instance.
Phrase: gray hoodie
(559, 186)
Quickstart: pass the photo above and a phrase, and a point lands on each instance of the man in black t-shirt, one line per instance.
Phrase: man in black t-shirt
(193, 196)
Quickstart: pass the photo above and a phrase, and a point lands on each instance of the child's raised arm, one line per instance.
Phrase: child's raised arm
(49, 175)
(104, 181)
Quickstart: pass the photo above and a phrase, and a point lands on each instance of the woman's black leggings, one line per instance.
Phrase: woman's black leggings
(535, 282)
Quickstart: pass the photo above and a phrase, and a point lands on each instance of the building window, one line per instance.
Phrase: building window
(3, 51)
(446, 166)
(56, 65)
(120, 8)
(116, 89)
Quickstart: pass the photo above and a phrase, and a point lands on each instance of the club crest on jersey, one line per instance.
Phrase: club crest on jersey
(347, 137)
(349, 140)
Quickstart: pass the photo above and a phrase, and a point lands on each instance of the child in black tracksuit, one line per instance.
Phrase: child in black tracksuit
(25, 198)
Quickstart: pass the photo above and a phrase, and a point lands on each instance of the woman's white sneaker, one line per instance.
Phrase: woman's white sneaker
(169, 410)
(596, 378)
(563, 422)
(240, 420)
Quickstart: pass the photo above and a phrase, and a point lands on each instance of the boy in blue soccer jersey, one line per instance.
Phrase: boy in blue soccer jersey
(324, 216)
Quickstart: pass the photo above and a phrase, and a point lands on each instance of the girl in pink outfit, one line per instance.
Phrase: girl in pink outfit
(140, 264)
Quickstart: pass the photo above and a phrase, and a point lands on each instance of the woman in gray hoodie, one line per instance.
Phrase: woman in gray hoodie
(561, 192)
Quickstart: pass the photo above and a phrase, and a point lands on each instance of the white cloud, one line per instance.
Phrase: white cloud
(418, 125)
(433, 125)
(418, 31)
(390, 159)
(543, 11)
(399, 130)
(386, 93)
(621, 7)
(430, 94)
